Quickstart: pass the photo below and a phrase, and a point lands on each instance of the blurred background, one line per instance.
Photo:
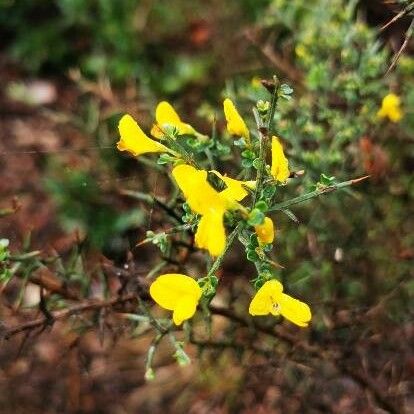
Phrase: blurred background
(70, 68)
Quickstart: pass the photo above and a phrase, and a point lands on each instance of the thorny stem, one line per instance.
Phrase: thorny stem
(168, 232)
(402, 13)
(264, 142)
(315, 351)
(320, 191)
(407, 38)
(90, 305)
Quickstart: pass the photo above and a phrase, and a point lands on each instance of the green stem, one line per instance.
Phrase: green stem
(25, 256)
(177, 147)
(220, 258)
(264, 142)
(324, 190)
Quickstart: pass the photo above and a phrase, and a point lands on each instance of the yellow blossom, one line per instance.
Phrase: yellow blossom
(280, 164)
(256, 82)
(300, 50)
(134, 140)
(235, 124)
(165, 114)
(265, 232)
(211, 234)
(203, 199)
(199, 194)
(271, 299)
(178, 293)
(391, 108)
(235, 189)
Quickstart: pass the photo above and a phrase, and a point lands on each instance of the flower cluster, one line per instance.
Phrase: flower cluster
(219, 203)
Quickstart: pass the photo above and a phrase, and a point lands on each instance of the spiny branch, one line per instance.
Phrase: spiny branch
(59, 315)
(320, 191)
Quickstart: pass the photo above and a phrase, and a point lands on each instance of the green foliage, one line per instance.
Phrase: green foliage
(340, 65)
(82, 206)
(102, 37)
(347, 248)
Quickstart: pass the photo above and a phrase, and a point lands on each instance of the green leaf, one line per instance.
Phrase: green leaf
(165, 159)
(262, 206)
(257, 163)
(248, 154)
(256, 217)
(252, 256)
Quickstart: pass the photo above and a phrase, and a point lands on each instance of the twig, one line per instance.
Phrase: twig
(58, 315)
(220, 258)
(337, 359)
(277, 60)
(367, 382)
(147, 198)
(44, 278)
(320, 191)
(407, 38)
(264, 140)
(398, 16)
(231, 345)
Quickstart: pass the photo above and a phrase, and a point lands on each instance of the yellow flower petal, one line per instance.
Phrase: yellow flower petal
(390, 108)
(263, 300)
(235, 123)
(294, 310)
(211, 234)
(280, 164)
(271, 299)
(260, 305)
(235, 189)
(199, 194)
(165, 114)
(134, 140)
(178, 293)
(185, 309)
(209, 203)
(265, 232)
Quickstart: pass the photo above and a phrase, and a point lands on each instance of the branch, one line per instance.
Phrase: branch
(398, 16)
(407, 38)
(43, 277)
(338, 360)
(320, 191)
(283, 336)
(58, 315)
(274, 58)
(147, 198)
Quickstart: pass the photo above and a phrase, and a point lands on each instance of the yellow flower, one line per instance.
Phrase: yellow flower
(235, 189)
(391, 108)
(235, 123)
(203, 199)
(165, 115)
(265, 232)
(256, 82)
(199, 194)
(271, 299)
(178, 293)
(134, 140)
(280, 164)
(301, 50)
(211, 234)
